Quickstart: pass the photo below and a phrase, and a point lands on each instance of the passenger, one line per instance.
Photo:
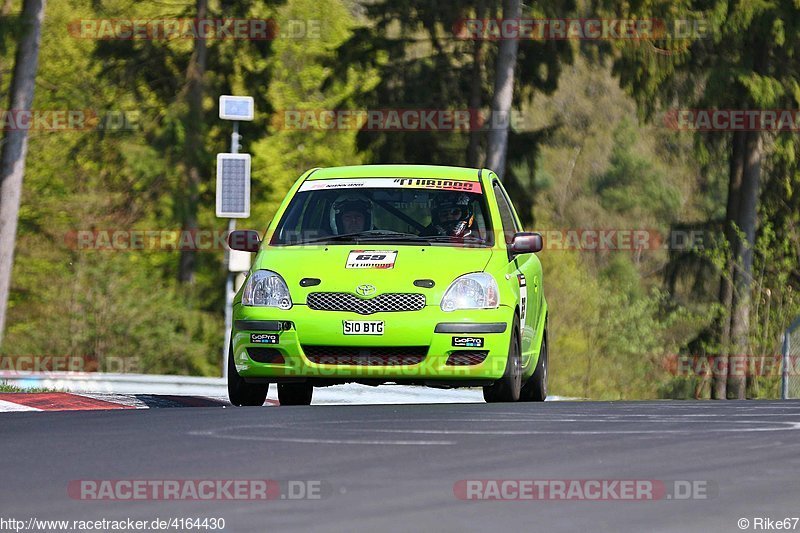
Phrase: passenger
(351, 213)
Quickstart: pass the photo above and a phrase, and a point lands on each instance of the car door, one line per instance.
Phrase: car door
(525, 267)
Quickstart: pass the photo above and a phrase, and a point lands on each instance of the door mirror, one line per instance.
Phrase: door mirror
(526, 242)
(244, 240)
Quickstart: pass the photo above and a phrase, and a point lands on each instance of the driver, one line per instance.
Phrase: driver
(351, 213)
(451, 215)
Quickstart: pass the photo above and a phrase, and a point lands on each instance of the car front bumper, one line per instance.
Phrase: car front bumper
(430, 330)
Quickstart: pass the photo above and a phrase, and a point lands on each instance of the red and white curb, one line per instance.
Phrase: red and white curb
(351, 394)
(65, 401)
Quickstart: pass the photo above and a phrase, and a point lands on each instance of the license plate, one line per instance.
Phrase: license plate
(363, 327)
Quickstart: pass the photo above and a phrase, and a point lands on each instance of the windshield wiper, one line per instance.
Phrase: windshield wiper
(375, 234)
(448, 238)
(410, 237)
(397, 236)
(388, 235)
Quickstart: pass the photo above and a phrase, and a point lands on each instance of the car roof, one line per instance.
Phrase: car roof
(396, 171)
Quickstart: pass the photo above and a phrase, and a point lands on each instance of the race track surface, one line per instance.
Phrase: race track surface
(403, 467)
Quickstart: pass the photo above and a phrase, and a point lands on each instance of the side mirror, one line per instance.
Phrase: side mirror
(244, 240)
(526, 242)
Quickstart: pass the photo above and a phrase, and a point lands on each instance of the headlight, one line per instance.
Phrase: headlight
(266, 288)
(471, 291)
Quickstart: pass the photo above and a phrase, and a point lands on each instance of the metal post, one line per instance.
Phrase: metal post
(785, 372)
(229, 292)
(235, 138)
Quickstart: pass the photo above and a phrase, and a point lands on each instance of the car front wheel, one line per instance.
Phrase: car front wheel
(535, 389)
(507, 388)
(239, 391)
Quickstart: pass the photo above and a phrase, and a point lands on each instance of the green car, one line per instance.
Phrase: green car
(391, 273)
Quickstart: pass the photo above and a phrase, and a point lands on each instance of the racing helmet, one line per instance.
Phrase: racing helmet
(452, 212)
(350, 202)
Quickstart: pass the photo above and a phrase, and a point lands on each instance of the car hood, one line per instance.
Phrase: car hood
(442, 264)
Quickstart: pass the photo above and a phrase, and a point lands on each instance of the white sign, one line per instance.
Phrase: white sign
(236, 107)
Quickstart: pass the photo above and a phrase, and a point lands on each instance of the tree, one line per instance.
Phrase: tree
(420, 64)
(15, 147)
(746, 61)
(503, 95)
(133, 178)
(476, 91)
(181, 79)
(194, 146)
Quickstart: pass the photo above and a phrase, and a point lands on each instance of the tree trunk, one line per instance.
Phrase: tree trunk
(15, 146)
(743, 273)
(194, 146)
(476, 94)
(719, 388)
(503, 95)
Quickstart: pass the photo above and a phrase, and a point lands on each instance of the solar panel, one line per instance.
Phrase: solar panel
(233, 185)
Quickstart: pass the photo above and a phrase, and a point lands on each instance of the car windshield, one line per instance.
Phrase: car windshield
(424, 211)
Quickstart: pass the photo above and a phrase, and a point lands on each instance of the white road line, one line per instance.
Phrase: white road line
(356, 441)
(789, 426)
(309, 440)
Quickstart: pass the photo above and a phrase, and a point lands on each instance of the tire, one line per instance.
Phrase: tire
(295, 393)
(535, 389)
(239, 391)
(508, 387)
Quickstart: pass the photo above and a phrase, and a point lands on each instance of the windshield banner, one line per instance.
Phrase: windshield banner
(397, 183)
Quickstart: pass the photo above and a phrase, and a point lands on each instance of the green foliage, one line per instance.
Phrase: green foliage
(633, 185)
(587, 151)
(607, 336)
(299, 69)
(5, 387)
(124, 307)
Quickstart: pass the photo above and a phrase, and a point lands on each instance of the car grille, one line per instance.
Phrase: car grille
(383, 303)
(365, 355)
(467, 357)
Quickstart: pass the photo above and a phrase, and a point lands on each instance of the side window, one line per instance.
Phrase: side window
(506, 214)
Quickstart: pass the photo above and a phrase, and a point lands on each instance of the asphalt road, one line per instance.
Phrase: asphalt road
(394, 467)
